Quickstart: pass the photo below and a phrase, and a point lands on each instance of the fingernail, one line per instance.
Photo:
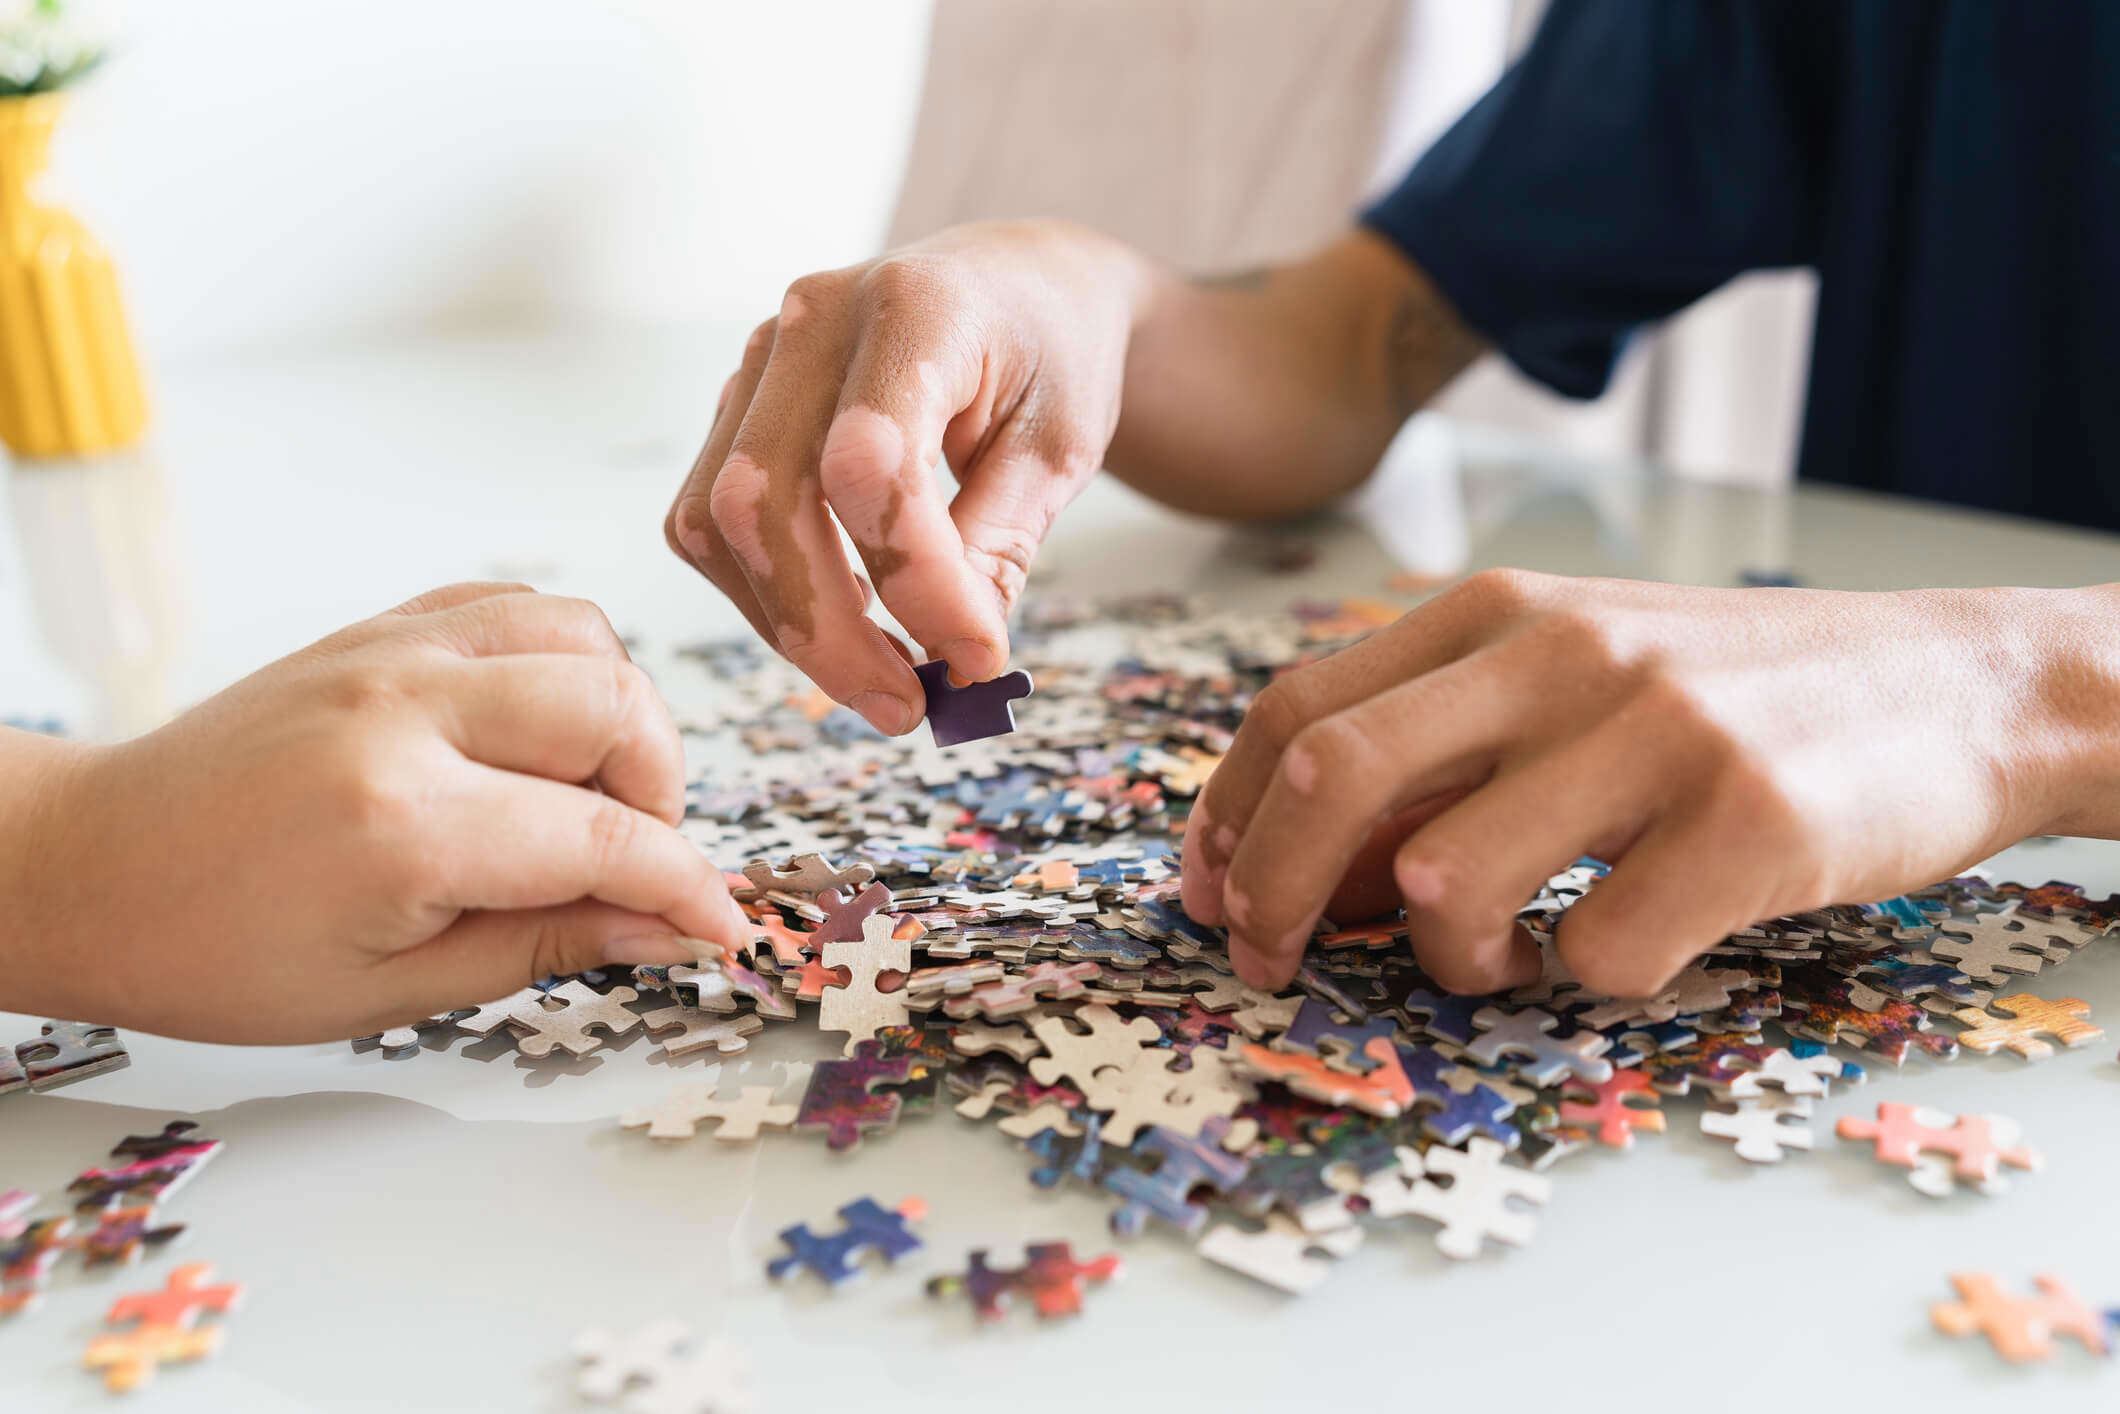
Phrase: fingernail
(882, 711)
(973, 653)
(653, 950)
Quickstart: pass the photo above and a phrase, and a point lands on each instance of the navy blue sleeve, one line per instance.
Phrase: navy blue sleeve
(1638, 155)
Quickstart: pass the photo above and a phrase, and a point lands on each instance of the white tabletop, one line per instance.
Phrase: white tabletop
(432, 1232)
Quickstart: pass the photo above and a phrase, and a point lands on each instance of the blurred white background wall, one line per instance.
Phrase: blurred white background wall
(273, 174)
(320, 171)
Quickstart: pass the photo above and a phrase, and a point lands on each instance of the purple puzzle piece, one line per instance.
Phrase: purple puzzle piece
(961, 714)
(839, 1100)
(842, 924)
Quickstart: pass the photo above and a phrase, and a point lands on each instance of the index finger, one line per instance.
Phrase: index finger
(912, 372)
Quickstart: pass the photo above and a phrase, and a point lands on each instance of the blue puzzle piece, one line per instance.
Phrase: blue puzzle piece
(1477, 1111)
(1443, 1015)
(1081, 1156)
(1173, 922)
(1112, 873)
(1316, 1020)
(960, 714)
(1184, 1167)
(869, 1227)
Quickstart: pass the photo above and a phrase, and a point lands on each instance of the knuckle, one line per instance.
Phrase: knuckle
(1502, 592)
(613, 833)
(1002, 554)
(759, 346)
(904, 286)
(1281, 710)
(806, 299)
(737, 502)
(1332, 755)
(859, 468)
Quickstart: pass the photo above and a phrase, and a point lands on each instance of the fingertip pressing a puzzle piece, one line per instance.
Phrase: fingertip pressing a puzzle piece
(974, 712)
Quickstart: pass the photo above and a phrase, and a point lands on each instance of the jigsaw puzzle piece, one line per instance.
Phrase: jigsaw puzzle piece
(1279, 1254)
(2020, 1328)
(67, 1051)
(867, 1227)
(974, 712)
(1182, 1167)
(1050, 1277)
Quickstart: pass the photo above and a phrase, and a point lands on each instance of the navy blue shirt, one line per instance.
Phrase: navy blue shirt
(1951, 168)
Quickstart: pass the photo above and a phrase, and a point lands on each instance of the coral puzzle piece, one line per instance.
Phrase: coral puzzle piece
(868, 1227)
(166, 1331)
(1905, 1134)
(2020, 1328)
(1383, 1091)
(961, 714)
(1050, 1276)
(1609, 1114)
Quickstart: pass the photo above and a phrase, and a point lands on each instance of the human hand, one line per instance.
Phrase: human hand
(400, 819)
(1736, 754)
(1000, 346)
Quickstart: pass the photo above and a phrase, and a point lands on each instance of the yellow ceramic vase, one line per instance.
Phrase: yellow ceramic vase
(69, 384)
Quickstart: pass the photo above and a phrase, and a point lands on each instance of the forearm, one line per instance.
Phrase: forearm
(1273, 392)
(2075, 737)
(37, 970)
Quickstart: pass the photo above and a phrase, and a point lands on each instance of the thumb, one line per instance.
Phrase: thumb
(484, 956)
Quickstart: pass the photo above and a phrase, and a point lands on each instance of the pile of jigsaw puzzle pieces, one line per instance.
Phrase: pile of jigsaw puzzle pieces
(114, 1220)
(998, 923)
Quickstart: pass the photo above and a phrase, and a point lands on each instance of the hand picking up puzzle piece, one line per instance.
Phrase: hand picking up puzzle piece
(972, 713)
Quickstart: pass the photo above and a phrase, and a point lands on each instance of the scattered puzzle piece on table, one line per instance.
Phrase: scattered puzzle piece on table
(29, 1254)
(1050, 1277)
(2032, 1019)
(1476, 1205)
(122, 1234)
(841, 1101)
(978, 1038)
(971, 713)
(695, 1030)
(1792, 1074)
(67, 1051)
(867, 1227)
(662, 1369)
(166, 1330)
(541, 1027)
(2020, 1328)
(677, 1114)
(1279, 1254)
(1617, 1107)
(1764, 1125)
(130, 1358)
(1977, 1145)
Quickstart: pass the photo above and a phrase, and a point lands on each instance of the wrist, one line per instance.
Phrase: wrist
(41, 873)
(2074, 681)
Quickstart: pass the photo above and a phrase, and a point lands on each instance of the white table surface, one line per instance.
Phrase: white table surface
(432, 1232)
